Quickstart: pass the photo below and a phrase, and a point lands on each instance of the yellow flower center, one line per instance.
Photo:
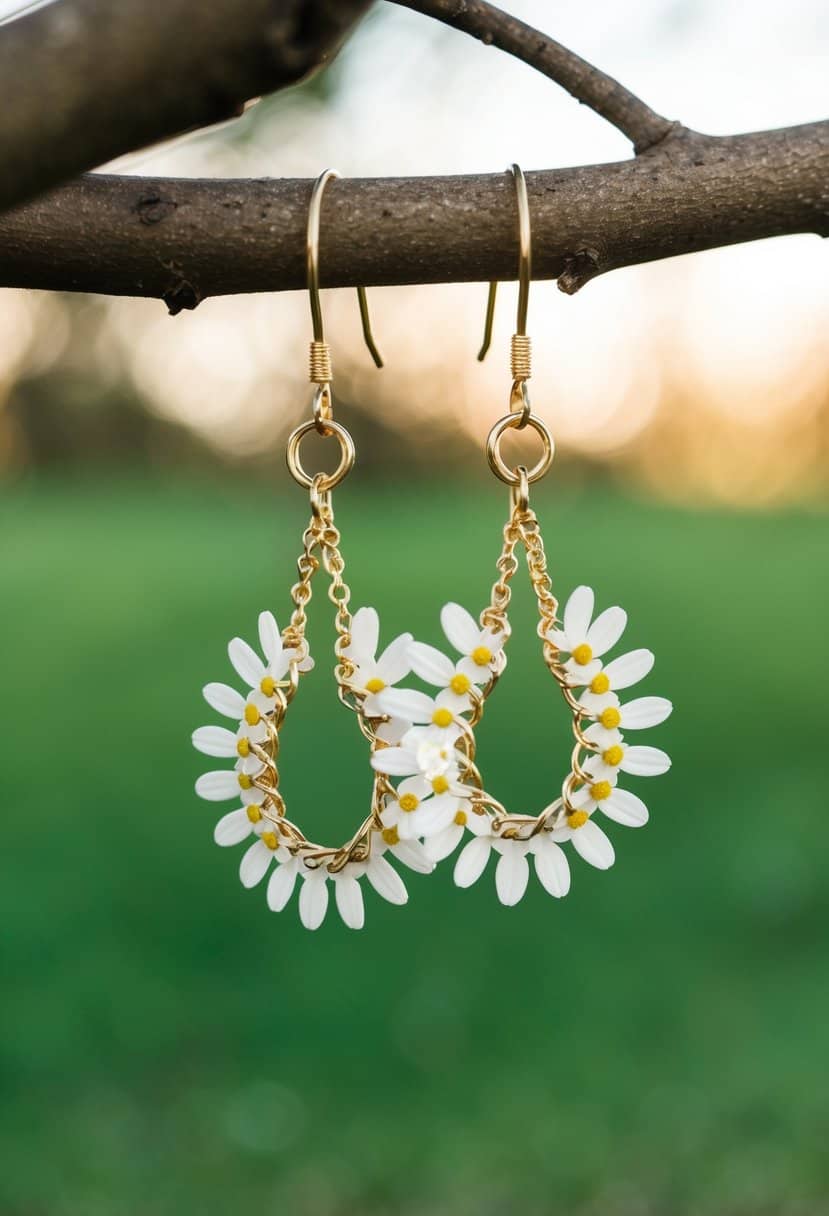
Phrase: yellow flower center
(610, 718)
(583, 654)
(252, 715)
(613, 755)
(442, 717)
(577, 819)
(245, 782)
(243, 747)
(460, 818)
(409, 802)
(270, 839)
(600, 790)
(375, 685)
(460, 683)
(481, 656)
(254, 812)
(390, 836)
(599, 683)
(268, 686)
(440, 785)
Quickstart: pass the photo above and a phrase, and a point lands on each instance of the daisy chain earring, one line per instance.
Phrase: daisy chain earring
(279, 846)
(443, 797)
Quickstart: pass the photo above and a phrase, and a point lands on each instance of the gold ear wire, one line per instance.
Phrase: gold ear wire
(320, 350)
(524, 276)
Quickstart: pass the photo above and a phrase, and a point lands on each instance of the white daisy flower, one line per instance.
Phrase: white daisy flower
(604, 795)
(219, 741)
(620, 673)
(223, 784)
(257, 859)
(436, 668)
(425, 751)
(372, 675)
(245, 821)
(419, 708)
(422, 807)
(634, 715)
(263, 677)
(585, 642)
(410, 852)
(482, 649)
(617, 756)
(587, 838)
(443, 843)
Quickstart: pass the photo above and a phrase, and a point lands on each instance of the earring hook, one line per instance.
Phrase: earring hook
(524, 266)
(312, 254)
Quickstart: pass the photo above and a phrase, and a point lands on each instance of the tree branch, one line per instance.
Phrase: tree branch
(87, 80)
(592, 87)
(185, 240)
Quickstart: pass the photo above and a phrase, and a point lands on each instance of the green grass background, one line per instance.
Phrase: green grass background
(656, 1043)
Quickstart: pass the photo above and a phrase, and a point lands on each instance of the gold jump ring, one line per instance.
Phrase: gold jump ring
(500, 468)
(323, 481)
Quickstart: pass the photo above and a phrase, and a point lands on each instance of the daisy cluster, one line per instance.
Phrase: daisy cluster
(428, 798)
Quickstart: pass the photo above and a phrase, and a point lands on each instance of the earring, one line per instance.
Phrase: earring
(438, 755)
(280, 847)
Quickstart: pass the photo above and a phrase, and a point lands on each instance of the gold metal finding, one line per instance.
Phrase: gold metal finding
(320, 360)
(520, 412)
(521, 360)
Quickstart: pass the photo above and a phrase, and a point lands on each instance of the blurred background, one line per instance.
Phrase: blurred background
(656, 1042)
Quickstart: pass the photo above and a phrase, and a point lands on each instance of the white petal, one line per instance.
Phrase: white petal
(414, 855)
(605, 738)
(645, 761)
(254, 864)
(460, 627)
(246, 661)
(232, 827)
(440, 846)
(435, 815)
(478, 822)
(625, 808)
(215, 741)
(406, 703)
(472, 861)
(218, 786)
(393, 664)
(606, 630)
(313, 899)
(511, 876)
(395, 761)
(577, 613)
(270, 639)
(365, 634)
(629, 668)
(552, 868)
(386, 881)
(644, 712)
(393, 730)
(559, 639)
(430, 664)
(281, 885)
(224, 699)
(593, 846)
(349, 897)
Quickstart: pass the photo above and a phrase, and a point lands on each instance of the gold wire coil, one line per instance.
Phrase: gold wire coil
(322, 481)
(521, 356)
(319, 362)
(520, 476)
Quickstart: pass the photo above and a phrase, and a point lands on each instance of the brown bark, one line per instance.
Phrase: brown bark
(184, 240)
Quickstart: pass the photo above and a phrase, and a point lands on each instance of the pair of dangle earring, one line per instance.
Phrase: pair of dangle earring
(428, 796)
